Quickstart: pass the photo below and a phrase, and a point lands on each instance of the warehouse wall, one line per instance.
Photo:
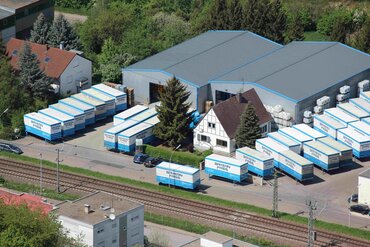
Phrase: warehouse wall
(364, 190)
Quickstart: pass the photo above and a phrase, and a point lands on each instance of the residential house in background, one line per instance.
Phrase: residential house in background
(70, 70)
(17, 16)
(218, 127)
(103, 219)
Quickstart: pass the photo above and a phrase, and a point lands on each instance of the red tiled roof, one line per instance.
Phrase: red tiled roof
(52, 60)
(229, 111)
(33, 202)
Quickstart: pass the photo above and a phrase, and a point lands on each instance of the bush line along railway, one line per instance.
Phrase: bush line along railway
(241, 221)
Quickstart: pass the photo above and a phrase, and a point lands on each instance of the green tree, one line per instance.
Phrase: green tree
(32, 78)
(173, 113)
(219, 15)
(235, 14)
(361, 40)
(254, 15)
(40, 32)
(63, 33)
(295, 28)
(276, 22)
(248, 130)
(339, 30)
(2, 48)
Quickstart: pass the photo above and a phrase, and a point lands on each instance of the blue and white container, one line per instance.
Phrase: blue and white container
(365, 95)
(353, 110)
(42, 126)
(321, 155)
(109, 101)
(270, 148)
(359, 143)
(68, 122)
(285, 141)
(296, 166)
(145, 115)
(327, 125)
(153, 120)
(258, 163)
(123, 116)
(111, 135)
(340, 116)
(127, 138)
(178, 175)
(345, 152)
(307, 130)
(296, 135)
(79, 116)
(360, 126)
(87, 109)
(99, 106)
(361, 103)
(366, 120)
(226, 167)
(120, 97)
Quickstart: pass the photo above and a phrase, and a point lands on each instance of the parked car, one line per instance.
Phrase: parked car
(10, 148)
(140, 158)
(354, 198)
(152, 162)
(362, 209)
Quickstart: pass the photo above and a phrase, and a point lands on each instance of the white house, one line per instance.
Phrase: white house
(71, 71)
(103, 219)
(364, 187)
(218, 127)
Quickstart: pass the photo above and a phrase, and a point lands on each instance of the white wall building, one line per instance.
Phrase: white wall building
(103, 220)
(218, 127)
(364, 187)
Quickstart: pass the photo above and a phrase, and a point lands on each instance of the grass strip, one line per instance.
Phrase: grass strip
(202, 229)
(355, 232)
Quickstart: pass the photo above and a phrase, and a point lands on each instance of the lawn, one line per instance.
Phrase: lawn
(315, 36)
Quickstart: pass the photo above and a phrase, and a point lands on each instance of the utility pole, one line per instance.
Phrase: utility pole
(58, 188)
(40, 174)
(275, 199)
(312, 206)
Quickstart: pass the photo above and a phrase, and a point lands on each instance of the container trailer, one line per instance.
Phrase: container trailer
(178, 175)
(340, 116)
(99, 106)
(258, 163)
(353, 110)
(327, 125)
(145, 115)
(285, 141)
(79, 116)
(119, 118)
(361, 103)
(296, 135)
(366, 120)
(307, 130)
(127, 138)
(119, 96)
(42, 126)
(111, 134)
(109, 101)
(321, 155)
(153, 120)
(87, 109)
(226, 167)
(270, 148)
(345, 152)
(68, 125)
(360, 126)
(295, 165)
(359, 142)
(365, 95)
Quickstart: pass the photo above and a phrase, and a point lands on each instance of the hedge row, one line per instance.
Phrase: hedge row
(186, 158)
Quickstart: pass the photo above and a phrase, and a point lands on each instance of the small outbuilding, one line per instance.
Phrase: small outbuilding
(364, 187)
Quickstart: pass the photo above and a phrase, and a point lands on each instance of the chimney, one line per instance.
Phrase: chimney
(61, 45)
(87, 208)
(239, 98)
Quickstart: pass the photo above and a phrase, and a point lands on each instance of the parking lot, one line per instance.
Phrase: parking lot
(329, 190)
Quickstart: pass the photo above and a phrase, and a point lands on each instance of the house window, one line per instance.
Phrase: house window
(114, 225)
(264, 129)
(100, 230)
(221, 143)
(204, 138)
(211, 125)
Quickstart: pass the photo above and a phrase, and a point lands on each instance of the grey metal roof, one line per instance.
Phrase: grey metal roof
(365, 174)
(302, 69)
(204, 57)
(4, 14)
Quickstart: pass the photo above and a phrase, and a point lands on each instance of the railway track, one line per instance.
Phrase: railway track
(243, 222)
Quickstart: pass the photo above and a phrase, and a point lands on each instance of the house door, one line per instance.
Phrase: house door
(154, 91)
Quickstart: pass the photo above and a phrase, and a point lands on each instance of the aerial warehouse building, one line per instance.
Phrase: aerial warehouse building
(120, 97)
(258, 163)
(42, 126)
(285, 141)
(89, 110)
(345, 152)
(79, 116)
(226, 167)
(68, 125)
(110, 103)
(125, 115)
(327, 125)
(359, 142)
(321, 155)
(99, 106)
(178, 175)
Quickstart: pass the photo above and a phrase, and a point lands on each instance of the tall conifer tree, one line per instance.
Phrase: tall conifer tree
(40, 32)
(248, 131)
(295, 29)
(62, 33)
(173, 113)
(276, 22)
(219, 15)
(235, 15)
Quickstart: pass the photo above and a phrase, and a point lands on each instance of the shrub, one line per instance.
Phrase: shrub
(326, 23)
